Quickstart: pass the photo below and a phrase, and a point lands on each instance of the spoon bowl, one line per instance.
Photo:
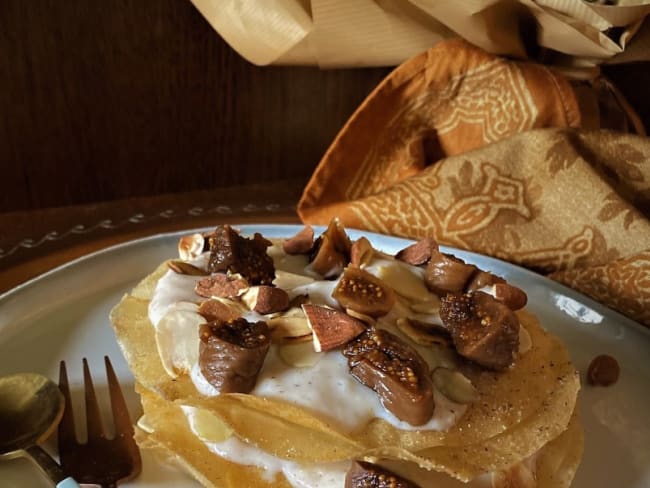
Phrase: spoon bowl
(31, 407)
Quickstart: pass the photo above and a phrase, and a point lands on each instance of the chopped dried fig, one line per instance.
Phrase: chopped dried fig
(447, 274)
(364, 293)
(481, 279)
(331, 328)
(231, 353)
(361, 253)
(214, 310)
(301, 243)
(331, 252)
(418, 253)
(395, 371)
(221, 285)
(327, 261)
(482, 328)
(232, 253)
(266, 299)
(367, 475)
(181, 267)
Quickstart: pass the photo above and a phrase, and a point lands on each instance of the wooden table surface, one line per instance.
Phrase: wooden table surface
(33, 242)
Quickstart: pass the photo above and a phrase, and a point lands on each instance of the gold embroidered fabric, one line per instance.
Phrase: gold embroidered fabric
(484, 154)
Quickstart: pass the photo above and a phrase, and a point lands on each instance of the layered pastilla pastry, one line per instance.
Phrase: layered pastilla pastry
(318, 361)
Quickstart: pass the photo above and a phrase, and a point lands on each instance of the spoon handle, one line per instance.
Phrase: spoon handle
(50, 467)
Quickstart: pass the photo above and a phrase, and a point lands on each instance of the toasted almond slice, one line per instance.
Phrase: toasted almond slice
(361, 253)
(191, 246)
(405, 281)
(177, 340)
(181, 267)
(299, 355)
(266, 299)
(289, 281)
(332, 328)
(206, 425)
(362, 317)
(454, 385)
(429, 308)
(298, 339)
(288, 327)
(420, 334)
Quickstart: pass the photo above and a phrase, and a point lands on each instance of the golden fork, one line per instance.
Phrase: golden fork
(101, 461)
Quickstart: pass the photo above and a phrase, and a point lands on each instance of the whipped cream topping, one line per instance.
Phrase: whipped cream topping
(326, 388)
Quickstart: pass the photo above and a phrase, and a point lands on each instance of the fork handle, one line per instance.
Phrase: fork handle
(50, 467)
(67, 483)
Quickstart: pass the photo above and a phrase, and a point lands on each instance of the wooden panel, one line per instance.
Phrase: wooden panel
(121, 98)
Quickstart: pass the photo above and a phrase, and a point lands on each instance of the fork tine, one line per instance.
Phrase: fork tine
(93, 417)
(123, 425)
(67, 433)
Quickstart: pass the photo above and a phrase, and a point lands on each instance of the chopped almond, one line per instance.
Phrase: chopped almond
(332, 328)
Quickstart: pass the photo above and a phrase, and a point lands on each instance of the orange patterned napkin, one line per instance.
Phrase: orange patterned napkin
(452, 145)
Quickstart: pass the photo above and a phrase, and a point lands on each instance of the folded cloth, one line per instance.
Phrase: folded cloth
(452, 145)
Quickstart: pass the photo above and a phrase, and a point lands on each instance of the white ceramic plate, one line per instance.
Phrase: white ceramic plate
(63, 314)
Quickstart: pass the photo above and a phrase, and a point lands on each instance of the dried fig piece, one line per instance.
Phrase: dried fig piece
(481, 279)
(447, 274)
(367, 475)
(361, 253)
(232, 253)
(231, 353)
(266, 299)
(327, 261)
(418, 253)
(395, 371)
(301, 243)
(482, 328)
(221, 285)
(364, 293)
(332, 328)
(331, 252)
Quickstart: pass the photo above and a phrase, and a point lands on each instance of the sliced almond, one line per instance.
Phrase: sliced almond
(418, 253)
(286, 328)
(190, 247)
(420, 333)
(514, 298)
(206, 425)
(219, 310)
(299, 355)
(405, 281)
(177, 340)
(361, 253)
(221, 285)
(429, 308)
(367, 319)
(181, 267)
(454, 385)
(266, 299)
(332, 328)
(289, 281)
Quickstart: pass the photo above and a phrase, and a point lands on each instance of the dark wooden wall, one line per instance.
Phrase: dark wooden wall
(108, 99)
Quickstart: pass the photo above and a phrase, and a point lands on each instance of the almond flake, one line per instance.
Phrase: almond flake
(181, 267)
